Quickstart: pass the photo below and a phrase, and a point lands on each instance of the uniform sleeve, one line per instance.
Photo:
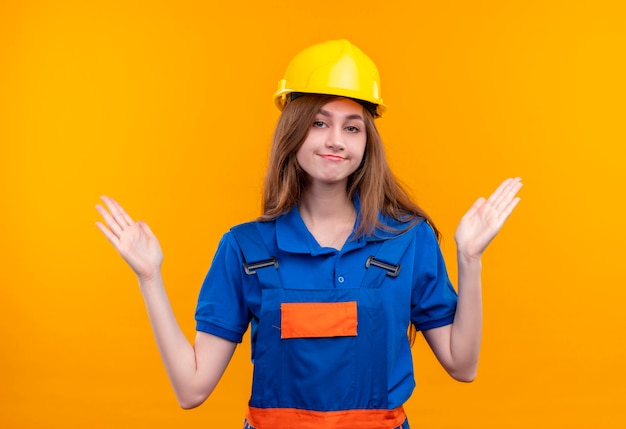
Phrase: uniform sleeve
(433, 299)
(222, 308)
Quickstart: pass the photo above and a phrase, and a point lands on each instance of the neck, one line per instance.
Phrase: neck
(326, 204)
(329, 215)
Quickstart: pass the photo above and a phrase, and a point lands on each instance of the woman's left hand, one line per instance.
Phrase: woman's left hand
(483, 221)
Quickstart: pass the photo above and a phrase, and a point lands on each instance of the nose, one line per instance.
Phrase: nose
(334, 139)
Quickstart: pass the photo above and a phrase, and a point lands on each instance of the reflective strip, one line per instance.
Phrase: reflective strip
(289, 418)
(318, 319)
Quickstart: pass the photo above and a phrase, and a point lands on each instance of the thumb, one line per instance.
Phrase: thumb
(477, 205)
(145, 228)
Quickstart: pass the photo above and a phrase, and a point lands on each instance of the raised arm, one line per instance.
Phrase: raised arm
(193, 370)
(457, 346)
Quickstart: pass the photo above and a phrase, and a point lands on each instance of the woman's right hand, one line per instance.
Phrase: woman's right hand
(133, 240)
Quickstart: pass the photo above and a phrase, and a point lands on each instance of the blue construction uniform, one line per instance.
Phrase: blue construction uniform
(356, 364)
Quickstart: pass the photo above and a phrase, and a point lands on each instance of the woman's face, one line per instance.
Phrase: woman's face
(335, 143)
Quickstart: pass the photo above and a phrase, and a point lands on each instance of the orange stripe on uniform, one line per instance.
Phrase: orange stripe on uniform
(318, 319)
(289, 418)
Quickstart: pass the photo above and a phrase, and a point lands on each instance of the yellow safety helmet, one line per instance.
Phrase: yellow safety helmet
(335, 67)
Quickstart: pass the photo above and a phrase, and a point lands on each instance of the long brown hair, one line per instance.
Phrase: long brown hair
(373, 182)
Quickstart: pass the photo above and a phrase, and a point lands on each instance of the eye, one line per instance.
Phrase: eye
(352, 129)
(319, 124)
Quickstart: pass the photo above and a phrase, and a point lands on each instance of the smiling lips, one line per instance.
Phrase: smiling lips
(332, 157)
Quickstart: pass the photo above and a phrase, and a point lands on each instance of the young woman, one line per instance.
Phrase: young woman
(332, 274)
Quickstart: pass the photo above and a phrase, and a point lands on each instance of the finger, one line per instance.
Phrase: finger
(503, 192)
(108, 234)
(506, 212)
(117, 212)
(123, 213)
(502, 213)
(508, 195)
(113, 225)
(112, 217)
(495, 195)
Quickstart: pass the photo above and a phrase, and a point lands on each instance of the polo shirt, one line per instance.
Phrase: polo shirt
(230, 300)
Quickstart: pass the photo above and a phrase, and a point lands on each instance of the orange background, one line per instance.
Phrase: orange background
(166, 106)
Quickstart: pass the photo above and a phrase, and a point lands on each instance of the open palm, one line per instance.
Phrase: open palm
(485, 218)
(133, 240)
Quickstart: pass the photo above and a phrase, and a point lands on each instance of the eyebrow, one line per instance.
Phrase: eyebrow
(327, 113)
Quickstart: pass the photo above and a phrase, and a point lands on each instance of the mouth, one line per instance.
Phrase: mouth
(332, 157)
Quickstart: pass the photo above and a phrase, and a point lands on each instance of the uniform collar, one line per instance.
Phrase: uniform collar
(293, 236)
